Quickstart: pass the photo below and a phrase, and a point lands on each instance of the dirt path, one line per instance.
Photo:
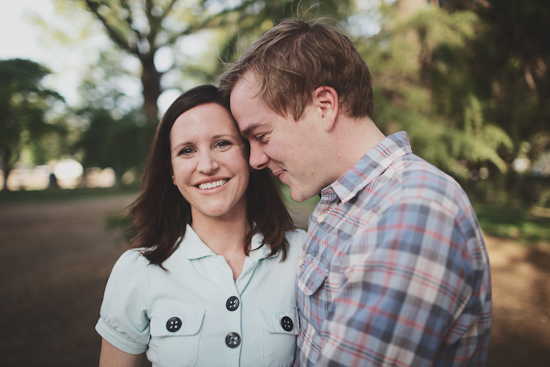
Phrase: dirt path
(521, 305)
(55, 259)
(54, 262)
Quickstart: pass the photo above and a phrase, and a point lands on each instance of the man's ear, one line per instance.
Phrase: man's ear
(326, 99)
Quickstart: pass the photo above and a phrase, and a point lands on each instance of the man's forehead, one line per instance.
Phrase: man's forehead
(246, 83)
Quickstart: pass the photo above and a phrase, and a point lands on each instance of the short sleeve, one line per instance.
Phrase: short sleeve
(123, 318)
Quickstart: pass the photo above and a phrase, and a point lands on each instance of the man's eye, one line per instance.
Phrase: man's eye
(261, 138)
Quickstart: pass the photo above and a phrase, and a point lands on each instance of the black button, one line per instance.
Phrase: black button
(232, 303)
(287, 323)
(233, 340)
(173, 324)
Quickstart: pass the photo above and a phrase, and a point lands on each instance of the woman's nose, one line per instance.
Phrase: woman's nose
(207, 163)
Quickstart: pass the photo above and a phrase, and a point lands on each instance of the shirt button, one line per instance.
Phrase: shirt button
(232, 303)
(173, 324)
(233, 340)
(287, 323)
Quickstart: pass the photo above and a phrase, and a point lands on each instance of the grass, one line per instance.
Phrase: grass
(8, 197)
(528, 226)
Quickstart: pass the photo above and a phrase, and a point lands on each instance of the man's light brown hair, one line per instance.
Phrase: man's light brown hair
(296, 57)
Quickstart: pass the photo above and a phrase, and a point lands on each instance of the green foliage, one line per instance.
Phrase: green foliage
(113, 130)
(257, 17)
(422, 85)
(120, 143)
(468, 83)
(23, 107)
(507, 62)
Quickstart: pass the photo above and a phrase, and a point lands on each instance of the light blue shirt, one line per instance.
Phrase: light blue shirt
(181, 317)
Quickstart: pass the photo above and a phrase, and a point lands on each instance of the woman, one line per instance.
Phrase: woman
(211, 281)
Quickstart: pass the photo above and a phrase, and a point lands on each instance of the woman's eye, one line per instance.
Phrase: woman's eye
(222, 144)
(186, 151)
(261, 138)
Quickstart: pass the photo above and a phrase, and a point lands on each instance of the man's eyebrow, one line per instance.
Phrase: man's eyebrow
(251, 127)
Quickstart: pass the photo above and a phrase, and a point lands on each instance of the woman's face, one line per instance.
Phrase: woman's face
(209, 162)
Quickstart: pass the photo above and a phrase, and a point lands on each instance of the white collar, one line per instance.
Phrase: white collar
(192, 247)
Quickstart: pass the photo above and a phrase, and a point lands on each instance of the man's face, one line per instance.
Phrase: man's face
(288, 148)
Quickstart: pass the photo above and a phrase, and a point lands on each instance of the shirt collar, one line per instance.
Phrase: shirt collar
(194, 248)
(370, 166)
(258, 253)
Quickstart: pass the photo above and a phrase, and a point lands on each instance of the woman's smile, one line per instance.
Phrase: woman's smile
(211, 185)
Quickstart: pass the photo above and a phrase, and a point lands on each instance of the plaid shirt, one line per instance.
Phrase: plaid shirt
(395, 271)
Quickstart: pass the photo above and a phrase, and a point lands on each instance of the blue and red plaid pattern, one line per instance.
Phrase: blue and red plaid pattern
(395, 271)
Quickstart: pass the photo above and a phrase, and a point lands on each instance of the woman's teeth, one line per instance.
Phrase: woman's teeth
(211, 185)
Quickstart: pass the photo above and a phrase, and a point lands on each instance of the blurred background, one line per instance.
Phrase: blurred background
(83, 84)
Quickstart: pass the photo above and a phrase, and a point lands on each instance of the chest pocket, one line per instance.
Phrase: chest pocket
(310, 282)
(280, 328)
(175, 335)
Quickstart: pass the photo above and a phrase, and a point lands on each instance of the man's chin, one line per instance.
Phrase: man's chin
(298, 196)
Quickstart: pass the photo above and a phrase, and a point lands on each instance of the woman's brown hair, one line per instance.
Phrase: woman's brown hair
(160, 214)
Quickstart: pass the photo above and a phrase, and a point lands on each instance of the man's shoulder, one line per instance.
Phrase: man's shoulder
(412, 167)
(411, 179)
(415, 177)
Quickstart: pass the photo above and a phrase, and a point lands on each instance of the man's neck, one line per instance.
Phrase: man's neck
(354, 138)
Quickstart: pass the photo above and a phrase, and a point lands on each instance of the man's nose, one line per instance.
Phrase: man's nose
(258, 159)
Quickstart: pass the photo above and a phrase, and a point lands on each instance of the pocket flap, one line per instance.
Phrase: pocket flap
(176, 322)
(313, 275)
(280, 319)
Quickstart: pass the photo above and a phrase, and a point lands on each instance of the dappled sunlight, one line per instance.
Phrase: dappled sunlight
(66, 174)
(98, 177)
(36, 178)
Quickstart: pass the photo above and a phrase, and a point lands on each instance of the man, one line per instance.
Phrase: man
(395, 271)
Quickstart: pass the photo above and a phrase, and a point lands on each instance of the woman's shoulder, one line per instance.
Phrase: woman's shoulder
(296, 237)
(133, 257)
(296, 240)
(131, 261)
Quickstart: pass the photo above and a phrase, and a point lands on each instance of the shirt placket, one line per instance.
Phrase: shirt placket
(232, 335)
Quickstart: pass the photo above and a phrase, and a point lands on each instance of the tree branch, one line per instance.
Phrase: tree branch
(168, 9)
(130, 20)
(207, 23)
(154, 24)
(120, 40)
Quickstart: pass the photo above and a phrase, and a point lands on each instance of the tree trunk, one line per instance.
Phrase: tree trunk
(406, 8)
(6, 167)
(150, 81)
